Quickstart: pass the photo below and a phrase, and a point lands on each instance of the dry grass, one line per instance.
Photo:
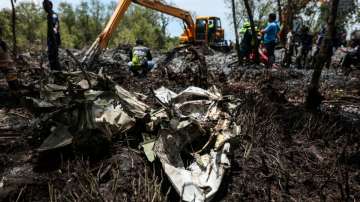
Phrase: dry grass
(108, 182)
(288, 154)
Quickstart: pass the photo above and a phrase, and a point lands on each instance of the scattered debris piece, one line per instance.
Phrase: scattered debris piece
(196, 113)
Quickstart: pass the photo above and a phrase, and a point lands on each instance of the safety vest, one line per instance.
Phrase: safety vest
(211, 26)
(139, 54)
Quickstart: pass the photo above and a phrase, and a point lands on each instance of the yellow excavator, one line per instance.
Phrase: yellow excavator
(206, 30)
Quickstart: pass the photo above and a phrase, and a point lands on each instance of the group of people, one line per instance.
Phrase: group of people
(303, 42)
(269, 36)
(141, 58)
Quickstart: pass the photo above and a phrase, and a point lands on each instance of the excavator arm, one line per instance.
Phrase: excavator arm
(103, 39)
(113, 22)
(169, 10)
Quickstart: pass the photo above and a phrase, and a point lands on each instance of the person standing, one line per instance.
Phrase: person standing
(352, 56)
(211, 30)
(53, 35)
(270, 36)
(306, 41)
(246, 44)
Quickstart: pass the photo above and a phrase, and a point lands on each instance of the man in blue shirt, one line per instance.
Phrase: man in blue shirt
(270, 37)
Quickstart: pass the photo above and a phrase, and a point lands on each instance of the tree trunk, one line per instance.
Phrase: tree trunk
(13, 20)
(237, 44)
(164, 23)
(313, 97)
(254, 34)
(279, 10)
(288, 27)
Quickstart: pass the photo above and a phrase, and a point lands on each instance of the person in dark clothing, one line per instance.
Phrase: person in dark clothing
(352, 57)
(320, 38)
(211, 30)
(337, 42)
(53, 35)
(270, 36)
(140, 59)
(340, 38)
(306, 40)
(246, 42)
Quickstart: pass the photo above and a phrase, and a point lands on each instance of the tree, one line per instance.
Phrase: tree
(28, 27)
(258, 9)
(5, 22)
(67, 16)
(68, 25)
(262, 10)
(313, 97)
(143, 23)
(237, 45)
(97, 16)
(288, 27)
(13, 21)
(83, 35)
(31, 25)
(252, 10)
(80, 26)
(164, 22)
(279, 10)
(254, 34)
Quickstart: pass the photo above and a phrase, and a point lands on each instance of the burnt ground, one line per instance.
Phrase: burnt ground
(284, 153)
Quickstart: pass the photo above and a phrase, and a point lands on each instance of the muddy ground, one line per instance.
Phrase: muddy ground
(284, 153)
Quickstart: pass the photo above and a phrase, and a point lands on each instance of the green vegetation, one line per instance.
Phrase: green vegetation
(81, 25)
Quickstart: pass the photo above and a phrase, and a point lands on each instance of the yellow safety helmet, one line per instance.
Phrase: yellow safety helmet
(246, 24)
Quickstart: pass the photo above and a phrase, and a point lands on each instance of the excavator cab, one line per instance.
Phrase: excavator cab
(208, 30)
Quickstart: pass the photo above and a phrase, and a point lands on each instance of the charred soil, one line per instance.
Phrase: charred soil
(283, 152)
